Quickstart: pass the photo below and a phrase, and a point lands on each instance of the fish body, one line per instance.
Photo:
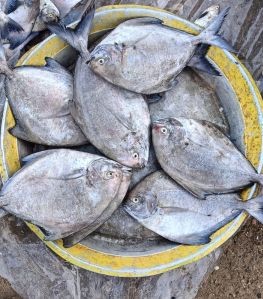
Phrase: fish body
(65, 190)
(163, 206)
(143, 55)
(39, 98)
(105, 215)
(198, 156)
(114, 120)
(190, 98)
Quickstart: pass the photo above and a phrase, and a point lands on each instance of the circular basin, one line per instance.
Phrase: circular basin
(242, 104)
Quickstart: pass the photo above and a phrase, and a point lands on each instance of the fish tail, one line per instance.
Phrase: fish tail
(4, 68)
(259, 178)
(209, 35)
(255, 208)
(8, 27)
(78, 37)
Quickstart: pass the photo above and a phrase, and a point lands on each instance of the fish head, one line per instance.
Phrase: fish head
(50, 14)
(166, 131)
(134, 150)
(106, 174)
(105, 60)
(141, 205)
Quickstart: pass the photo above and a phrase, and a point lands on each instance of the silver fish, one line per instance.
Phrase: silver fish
(198, 156)
(144, 55)
(161, 205)
(151, 166)
(39, 98)
(65, 12)
(65, 190)
(105, 215)
(190, 98)
(114, 120)
(208, 16)
(25, 15)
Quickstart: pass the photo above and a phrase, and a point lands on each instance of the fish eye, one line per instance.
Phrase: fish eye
(108, 175)
(135, 200)
(101, 61)
(135, 155)
(164, 130)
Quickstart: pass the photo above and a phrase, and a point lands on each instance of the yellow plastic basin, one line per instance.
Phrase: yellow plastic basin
(248, 100)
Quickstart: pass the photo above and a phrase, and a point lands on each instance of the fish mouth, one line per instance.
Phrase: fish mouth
(127, 171)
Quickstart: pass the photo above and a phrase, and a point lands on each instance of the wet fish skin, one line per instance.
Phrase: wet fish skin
(159, 52)
(42, 110)
(114, 120)
(25, 15)
(151, 166)
(198, 156)
(65, 190)
(105, 215)
(190, 98)
(161, 205)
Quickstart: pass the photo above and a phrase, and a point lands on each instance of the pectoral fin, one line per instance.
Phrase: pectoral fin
(18, 132)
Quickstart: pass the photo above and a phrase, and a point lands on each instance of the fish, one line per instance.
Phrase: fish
(65, 190)
(163, 206)
(207, 16)
(77, 237)
(120, 228)
(25, 14)
(198, 156)
(64, 12)
(114, 120)
(41, 110)
(151, 166)
(145, 56)
(190, 98)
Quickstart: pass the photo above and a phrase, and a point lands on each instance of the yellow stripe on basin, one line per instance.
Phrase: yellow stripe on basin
(250, 102)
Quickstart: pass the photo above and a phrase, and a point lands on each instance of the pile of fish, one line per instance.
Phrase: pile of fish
(128, 108)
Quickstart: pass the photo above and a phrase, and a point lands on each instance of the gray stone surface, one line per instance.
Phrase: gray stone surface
(35, 272)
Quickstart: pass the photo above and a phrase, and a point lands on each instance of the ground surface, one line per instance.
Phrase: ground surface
(240, 269)
(240, 272)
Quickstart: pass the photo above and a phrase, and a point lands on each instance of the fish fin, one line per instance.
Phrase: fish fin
(54, 116)
(154, 98)
(209, 35)
(18, 132)
(78, 37)
(16, 49)
(255, 208)
(32, 157)
(77, 237)
(9, 27)
(202, 194)
(198, 239)
(76, 12)
(144, 21)
(259, 178)
(10, 6)
(204, 237)
(200, 62)
(51, 63)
